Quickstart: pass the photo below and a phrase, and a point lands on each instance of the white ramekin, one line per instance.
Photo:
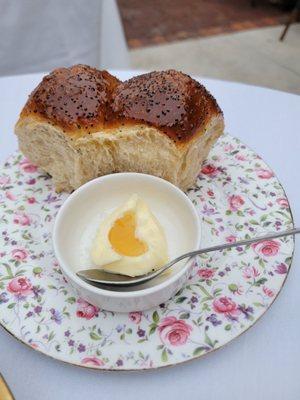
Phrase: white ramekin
(79, 217)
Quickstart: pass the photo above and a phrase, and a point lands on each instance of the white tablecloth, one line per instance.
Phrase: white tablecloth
(262, 364)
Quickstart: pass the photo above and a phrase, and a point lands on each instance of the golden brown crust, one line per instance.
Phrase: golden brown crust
(81, 99)
(74, 98)
(170, 100)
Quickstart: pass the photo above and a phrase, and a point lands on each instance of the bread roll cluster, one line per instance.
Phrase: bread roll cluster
(81, 123)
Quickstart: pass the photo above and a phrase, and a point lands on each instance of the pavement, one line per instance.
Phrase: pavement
(255, 57)
(151, 22)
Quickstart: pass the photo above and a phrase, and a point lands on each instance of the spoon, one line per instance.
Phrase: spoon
(97, 276)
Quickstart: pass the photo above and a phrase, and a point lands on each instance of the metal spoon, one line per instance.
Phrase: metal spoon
(97, 276)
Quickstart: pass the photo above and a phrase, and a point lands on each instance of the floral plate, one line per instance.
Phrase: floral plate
(237, 196)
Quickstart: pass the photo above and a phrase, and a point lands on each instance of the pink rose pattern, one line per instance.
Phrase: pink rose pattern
(264, 173)
(235, 202)
(223, 297)
(4, 180)
(31, 200)
(21, 218)
(93, 361)
(86, 310)
(283, 202)
(206, 273)
(210, 170)
(224, 305)
(9, 195)
(27, 166)
(267, 248)
(19, 254)
(174, 331)
(20, 286)
(230, 239)
(135, 317)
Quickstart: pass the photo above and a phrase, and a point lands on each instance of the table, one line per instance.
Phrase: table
(264, 363)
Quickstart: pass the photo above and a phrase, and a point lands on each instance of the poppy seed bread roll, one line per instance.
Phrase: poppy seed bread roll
(81, 123)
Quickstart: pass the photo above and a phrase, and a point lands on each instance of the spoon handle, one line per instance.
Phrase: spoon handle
(96, 276)
(224, 246)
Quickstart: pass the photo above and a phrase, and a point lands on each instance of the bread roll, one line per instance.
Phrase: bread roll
(81, 123)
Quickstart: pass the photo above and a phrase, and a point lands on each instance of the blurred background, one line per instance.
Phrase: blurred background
(251, 41)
